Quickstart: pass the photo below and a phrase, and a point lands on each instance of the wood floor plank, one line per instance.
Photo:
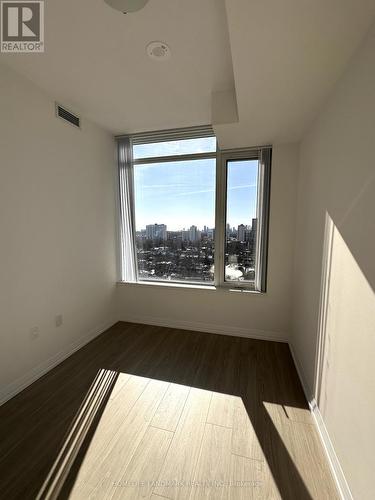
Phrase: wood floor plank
(170, 408)
(139, 477)
(115, 413)
(252, 480)
(299, 414)
(221, 409)
(212, 473)
(101, 469)
(182, 457)
(229, 411)
(246, 479)
(245, 441)
(302, 442)
(122, 379)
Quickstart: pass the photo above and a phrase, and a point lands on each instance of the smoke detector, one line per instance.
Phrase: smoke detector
(158, 51)
(126, 6)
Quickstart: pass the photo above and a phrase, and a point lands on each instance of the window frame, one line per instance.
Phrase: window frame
(263, 155)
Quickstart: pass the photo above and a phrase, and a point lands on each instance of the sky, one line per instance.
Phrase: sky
(182, 194)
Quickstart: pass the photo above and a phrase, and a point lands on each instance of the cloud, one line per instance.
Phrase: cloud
(201, 145)
(161, 186)
(243, 186)
(201, 191)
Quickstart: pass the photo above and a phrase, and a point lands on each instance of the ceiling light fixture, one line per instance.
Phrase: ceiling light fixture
(126, 6)
(158, 51)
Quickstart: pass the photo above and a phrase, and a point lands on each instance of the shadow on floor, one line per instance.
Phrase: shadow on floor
(39, 434)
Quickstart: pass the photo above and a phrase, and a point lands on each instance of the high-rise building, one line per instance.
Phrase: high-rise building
(194, 234)
(248, 234)
(185, 235)
(241, 232)
(156, 232)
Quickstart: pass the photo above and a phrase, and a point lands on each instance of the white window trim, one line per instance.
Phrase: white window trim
(263, 154)
(189, 286)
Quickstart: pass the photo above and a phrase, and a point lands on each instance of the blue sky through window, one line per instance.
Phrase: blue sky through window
(242, 180)
(181, 194)
(171, 148)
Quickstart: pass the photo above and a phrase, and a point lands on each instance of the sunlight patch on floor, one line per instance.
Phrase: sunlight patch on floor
(155, 439)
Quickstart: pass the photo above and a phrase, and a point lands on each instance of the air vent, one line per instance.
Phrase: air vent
(66, 115)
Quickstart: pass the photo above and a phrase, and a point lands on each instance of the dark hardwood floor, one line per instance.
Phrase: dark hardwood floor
(154, 405)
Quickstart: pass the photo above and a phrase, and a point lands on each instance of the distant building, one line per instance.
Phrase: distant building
(248, 234)
(141, 234)
(241, 232)
(173, 235)
(194, 234)
(185, 235)
(156, 232)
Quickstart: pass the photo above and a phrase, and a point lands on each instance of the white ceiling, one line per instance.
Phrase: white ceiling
(96, 61)
(287, 55)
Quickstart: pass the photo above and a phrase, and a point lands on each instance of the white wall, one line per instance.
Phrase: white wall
(57, 231)
(337, 185)
(267, 315)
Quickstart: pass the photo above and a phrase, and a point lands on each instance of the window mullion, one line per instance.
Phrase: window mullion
(220, 217)
(265, 161)
(259, 215)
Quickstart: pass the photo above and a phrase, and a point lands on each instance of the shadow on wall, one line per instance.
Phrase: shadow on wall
(347, 297)
(344, 375)
(357, 229)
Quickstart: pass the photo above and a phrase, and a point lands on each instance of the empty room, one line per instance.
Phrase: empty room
(187, 249)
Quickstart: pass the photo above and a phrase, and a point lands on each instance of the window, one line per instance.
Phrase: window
(175, 217)
(192, 214)
(242, 217)
(241, 207)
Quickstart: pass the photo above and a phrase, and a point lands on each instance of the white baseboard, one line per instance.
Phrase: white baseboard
(308, 396)
(38, 371)
(208, 328)
(334, 463)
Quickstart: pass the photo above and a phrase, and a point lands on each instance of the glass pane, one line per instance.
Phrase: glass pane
(175, 219)
(188, 146)
(241, 218)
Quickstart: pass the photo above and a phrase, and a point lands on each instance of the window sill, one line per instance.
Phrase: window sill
(186, 286)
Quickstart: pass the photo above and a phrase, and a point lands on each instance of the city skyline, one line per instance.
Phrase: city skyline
(200, 228)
